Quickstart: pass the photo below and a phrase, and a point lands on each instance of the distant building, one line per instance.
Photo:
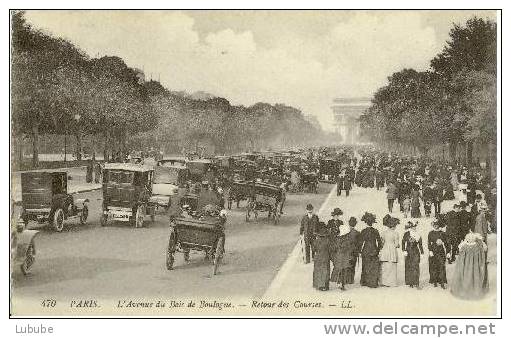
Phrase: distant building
(140, 75)
(346, 116)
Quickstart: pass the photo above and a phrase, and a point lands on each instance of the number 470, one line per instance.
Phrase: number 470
(49, 303)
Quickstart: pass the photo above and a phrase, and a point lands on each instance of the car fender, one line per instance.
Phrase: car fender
(82, 202)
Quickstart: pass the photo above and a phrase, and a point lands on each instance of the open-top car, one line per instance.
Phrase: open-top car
(45, 199)
(167, 179)
(200, 230)
(127, 189)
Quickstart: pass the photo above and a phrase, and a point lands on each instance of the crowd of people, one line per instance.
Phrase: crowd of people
(458, 236)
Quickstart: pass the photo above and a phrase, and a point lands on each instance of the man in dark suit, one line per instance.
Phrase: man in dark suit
(465, 219)
(453, 231)
(307, 228)
(343, 183)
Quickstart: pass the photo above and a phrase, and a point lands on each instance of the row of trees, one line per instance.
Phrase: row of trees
(454, 103)
(57, 89)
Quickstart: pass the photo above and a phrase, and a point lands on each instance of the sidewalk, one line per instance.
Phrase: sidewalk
(294, 280)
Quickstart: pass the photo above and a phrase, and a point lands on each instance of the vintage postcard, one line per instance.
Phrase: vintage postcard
(254, 163)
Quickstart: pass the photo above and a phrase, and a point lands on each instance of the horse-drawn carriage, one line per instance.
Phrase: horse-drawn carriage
(309, 182)
(328, 170)
(264, 197)
(201, 230)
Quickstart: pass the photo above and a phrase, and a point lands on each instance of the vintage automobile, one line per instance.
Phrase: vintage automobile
(180, 161)
(201, 230)
(309, 182)
(22, 246)
(199, 169)
(264, 197)
(127, 189)
(167, 179)
(328, 170)
(45, 199)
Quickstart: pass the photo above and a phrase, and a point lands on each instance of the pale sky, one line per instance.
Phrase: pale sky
(301, 58)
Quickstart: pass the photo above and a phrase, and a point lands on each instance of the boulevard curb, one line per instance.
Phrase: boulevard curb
(290, 261)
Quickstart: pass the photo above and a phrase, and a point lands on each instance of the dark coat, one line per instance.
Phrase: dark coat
(437, 273)
(343, 182)
(308, 226)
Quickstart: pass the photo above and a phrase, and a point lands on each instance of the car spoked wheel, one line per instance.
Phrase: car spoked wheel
(219, 253)
(58, 220)
(171, 249)
(84, 215)
(29, 260)
(139, 217)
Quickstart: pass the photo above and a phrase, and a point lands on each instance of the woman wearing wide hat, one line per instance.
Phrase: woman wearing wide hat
(439, 248)
(370, 245)
(388, 253)
(335, 222)
(342, 250)
(321, 273)
(412, 250)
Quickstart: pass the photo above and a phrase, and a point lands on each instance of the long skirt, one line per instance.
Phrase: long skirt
(370, 271)
(470, 274)
(437, 272)
(388, 274)
(350, 279)
(416, 212)
(321, 274)
(412, 269)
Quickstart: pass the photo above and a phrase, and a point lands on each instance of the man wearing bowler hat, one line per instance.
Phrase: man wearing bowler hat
(307, 228)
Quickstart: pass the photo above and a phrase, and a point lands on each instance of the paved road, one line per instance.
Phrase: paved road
(119, 261)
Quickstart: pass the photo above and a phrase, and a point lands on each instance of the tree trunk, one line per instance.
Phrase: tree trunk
(105, 147)
(470, 148)
(35, 146)
(453, 147)
(78, 145)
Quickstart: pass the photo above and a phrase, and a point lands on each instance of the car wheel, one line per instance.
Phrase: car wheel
(58, 220)
(171, 249)
(219, 252)
(139, 216)
(84, 215)
(104, 220)
(29, 260)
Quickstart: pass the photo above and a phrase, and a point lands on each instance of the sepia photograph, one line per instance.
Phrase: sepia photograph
(255, 163)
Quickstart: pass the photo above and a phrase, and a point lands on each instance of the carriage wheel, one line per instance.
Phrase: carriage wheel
(153, 213)
(276, 216)
(171, 249)
(219, 252)
(58, 220)
(29, 260)
(84, 215)
(138, 220)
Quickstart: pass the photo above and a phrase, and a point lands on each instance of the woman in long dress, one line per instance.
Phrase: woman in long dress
(438, 246)
(370, 245)
(341, 250)
(470, 274)
(412, 250)
(388, 253)
(321, 274)
(416, 204)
